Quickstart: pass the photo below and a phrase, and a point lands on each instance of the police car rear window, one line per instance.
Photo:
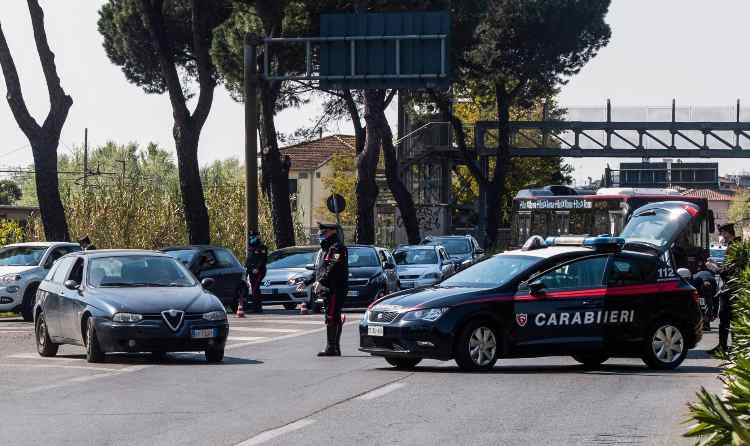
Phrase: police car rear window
(491, 273)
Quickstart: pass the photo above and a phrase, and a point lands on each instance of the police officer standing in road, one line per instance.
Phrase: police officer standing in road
(331, 284)
(727, 294)
(256, 268)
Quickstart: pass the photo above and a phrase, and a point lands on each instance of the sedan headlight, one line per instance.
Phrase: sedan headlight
(127, 317)
(215, 315)
(9, 278)
(295, 280)
(428, 314)
(431, 276)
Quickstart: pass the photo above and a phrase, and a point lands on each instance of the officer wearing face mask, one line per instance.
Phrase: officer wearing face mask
(331, 284)
(256, 268)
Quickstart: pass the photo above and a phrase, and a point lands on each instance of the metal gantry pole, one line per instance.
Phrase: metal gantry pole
(251, 135)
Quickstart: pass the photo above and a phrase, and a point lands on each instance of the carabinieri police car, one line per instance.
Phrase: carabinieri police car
(589, 297)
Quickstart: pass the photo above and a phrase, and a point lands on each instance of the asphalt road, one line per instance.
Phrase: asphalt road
(272, 390)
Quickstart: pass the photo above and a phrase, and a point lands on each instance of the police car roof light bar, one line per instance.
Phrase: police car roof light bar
(600, 243)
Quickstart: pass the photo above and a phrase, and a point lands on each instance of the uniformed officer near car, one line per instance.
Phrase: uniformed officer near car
(330, 283)
(726, 295)
(256, 268)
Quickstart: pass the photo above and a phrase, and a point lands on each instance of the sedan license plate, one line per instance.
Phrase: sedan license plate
(407, 284)
(268, 291)
(204, 333)
(353, 293)
(374, 330)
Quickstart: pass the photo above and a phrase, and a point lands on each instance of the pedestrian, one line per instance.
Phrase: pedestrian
(727, 274)
(331, 284)
(256, 268)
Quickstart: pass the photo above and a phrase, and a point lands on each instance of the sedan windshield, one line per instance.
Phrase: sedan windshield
(455, 246)
(138, 271)
(491, 273)
(362, 258)
(183, 255)
(290, 259)
(22, 255)
(415, 257)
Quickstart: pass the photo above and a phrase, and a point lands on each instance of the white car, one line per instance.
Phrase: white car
(422, 265)
(22, 268)
(286, 267)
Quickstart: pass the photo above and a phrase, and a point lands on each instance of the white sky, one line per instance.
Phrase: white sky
(692, 50)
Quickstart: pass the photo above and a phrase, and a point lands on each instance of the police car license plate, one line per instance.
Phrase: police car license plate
(353, 293)
(203, 333)
(374, 330)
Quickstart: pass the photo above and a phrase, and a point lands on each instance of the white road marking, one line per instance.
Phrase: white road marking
(246, 338)
(2, 332)
(57, 366)
(269, 330)
(36, 356)
(281, 322)
(279, 338)
(273, 433)
(377, 393)
(80, 379)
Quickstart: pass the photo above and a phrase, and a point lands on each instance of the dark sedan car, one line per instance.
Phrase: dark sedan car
(127, 301)
(593, 299)
(218, 264)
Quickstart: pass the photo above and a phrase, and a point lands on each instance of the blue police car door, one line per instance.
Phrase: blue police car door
(559, 310)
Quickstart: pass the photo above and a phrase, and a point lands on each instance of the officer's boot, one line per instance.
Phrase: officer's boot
(337, 345)
(330, 349)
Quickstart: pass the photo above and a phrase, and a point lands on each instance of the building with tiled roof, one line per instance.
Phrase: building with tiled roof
(309, 165)
(718, 202)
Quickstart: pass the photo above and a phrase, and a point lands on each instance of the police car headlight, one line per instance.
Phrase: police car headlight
(428, 314)
(9, 278)
(127, 317)
(431, 276)
(215, 315)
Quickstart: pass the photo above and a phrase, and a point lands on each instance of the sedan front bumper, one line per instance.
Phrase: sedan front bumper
(153, 335)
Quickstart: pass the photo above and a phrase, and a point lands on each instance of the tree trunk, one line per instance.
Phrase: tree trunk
(48, 191)
(275, 173)
(191, 187)
(403, 197)
(367, 164)
(497, 190)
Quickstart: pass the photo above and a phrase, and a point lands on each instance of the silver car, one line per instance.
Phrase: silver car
(286, 267)
(422, 265)
(22, 268)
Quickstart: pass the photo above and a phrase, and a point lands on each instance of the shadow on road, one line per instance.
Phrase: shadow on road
(614, 369)
(172, 359)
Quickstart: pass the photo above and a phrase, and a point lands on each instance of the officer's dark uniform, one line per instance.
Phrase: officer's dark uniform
(256, 261)
(332, 273)
(726, 295)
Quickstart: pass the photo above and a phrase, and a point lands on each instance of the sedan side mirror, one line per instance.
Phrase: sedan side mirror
(71, 284)
(310, 266)
(479, 251)
(684, 273)
(208, 283)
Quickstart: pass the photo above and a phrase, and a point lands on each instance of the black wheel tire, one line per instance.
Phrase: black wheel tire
(591, 360)
(653, 358)
(44, 345)
(27, 306)
(403, 363)
(462, 350)
(94, 352)
(215, 355)
(290, 306)
(158, 356)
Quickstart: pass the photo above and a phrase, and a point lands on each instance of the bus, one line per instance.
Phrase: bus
(562, 210)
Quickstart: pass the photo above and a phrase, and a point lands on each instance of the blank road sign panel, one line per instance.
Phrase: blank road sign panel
(390, 50)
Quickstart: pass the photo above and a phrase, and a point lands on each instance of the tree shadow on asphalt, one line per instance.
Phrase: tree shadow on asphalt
(172, 359)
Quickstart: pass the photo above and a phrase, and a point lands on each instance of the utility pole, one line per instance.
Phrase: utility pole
(251, 134)
(85, 170)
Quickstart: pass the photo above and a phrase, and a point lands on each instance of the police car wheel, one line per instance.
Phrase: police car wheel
(403, 363)
(665, 347)
(591, 360)
(476, 348)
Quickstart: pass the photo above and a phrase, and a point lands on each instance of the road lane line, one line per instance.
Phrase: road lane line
(51, 358)
(81, 379)
(246, 338)
(377, 393)
(2, 332)
(279, 338)
(58, 366)
(280, 322)
(273, 433)
(268, 330)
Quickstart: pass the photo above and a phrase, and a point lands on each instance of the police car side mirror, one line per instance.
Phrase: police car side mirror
(536, 287)
(207, 283)
(310, 266)
(684, 273)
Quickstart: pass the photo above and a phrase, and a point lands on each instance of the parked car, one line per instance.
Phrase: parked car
(286, 268)
(22, 268)
(372, 275)
(217, 263)
(462, 248)
(127, 301)
(422, 265)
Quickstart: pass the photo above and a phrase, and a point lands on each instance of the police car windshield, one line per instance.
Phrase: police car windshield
(454, 246)
(491, 273)
(290, 259)
(415, 257)
(654, 226)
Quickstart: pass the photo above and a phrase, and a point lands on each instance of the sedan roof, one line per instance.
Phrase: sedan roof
(119, 252)
(42, 244)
